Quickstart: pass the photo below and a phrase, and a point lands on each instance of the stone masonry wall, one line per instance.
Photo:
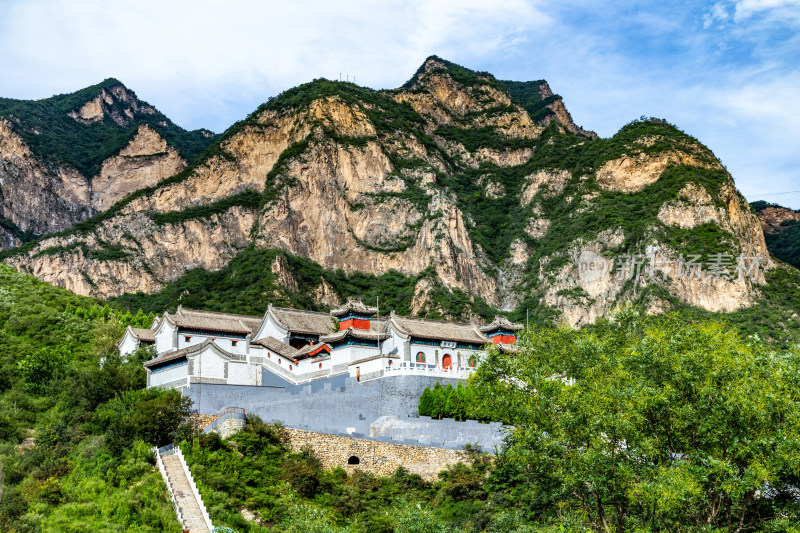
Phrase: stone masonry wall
(380, 458)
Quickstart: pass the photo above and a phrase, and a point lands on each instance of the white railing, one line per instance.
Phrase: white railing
(193, 486)
(164, 475)
(422, 369)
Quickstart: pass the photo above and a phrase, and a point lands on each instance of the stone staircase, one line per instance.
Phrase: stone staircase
(183, 491)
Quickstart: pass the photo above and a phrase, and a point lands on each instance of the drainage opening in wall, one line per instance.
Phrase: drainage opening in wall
(353, 460)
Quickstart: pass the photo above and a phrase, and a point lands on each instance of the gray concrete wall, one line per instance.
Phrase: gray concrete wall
(446, 433)
(343, 406)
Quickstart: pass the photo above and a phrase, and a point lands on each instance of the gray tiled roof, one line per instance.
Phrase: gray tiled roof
(501, 322)
(214, 321)
(143, 334)
(190, 350)
(279, 347)
(305, 322)
(356, 306)
(439, 330)
(365, 334)
(508, 348)
(167, 357)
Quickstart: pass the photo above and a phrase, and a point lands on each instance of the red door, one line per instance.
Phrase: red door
(447, 362)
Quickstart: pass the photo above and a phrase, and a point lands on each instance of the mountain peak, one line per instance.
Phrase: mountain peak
(461, 74)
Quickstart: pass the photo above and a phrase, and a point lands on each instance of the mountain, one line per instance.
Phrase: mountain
(65, 158)
(781, 230)
(477, 194)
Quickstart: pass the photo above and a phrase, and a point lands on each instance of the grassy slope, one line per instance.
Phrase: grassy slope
(51, 387)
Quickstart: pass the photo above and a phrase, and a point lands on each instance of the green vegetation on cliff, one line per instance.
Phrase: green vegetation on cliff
(248, 284)
(55, 137)
(783, 244)
(529, 95)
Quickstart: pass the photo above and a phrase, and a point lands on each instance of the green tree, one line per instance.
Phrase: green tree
(43, 366)
(438, 401)
(448, 404)
(659, 424)
(151, 415)
(425, 402)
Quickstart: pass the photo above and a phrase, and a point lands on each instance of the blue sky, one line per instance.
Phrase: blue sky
(727, 72)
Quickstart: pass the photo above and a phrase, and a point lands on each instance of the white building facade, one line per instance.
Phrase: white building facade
(299, 346)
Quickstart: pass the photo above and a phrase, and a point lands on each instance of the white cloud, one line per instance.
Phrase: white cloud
(242, 46)
(723, 71)
(785, 10)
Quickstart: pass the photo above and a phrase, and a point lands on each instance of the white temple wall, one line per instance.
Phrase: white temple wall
(128, 345)
(242, 373)
(169, 376)
(270, 329)
(165, 338)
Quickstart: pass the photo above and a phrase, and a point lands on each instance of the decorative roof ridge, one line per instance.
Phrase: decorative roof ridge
(217, 313)
(501, 321)
(133, 331)
(434, 321)
(354, 304)
(301, 311)
(368, 333)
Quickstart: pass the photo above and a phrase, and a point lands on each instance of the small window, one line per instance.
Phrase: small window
(320, 365)
(233, 343)
(269, 355)
(353, 460)
(473, 361)
(290, 367)
(390, 362)
(279, 361)
(187, 338)
(420, 357)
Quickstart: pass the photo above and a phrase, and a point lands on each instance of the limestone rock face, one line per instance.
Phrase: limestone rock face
(101, 106)
(630, 174)
(170, 250)
(694, 206)
(773, 217)
(45, 198)
(37, 197)
(145, 161)
(68, 157)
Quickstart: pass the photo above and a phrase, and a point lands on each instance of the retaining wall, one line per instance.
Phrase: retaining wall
(343, 406)
(380, 458)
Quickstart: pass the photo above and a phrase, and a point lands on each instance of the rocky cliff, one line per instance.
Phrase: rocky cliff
(776, 219)
(781, 227)
(487, 185)
(68, 157)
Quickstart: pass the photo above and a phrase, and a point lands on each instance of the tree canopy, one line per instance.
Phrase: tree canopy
(660, 424)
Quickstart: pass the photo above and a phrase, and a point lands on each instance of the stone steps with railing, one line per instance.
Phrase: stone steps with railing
(191, 512)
